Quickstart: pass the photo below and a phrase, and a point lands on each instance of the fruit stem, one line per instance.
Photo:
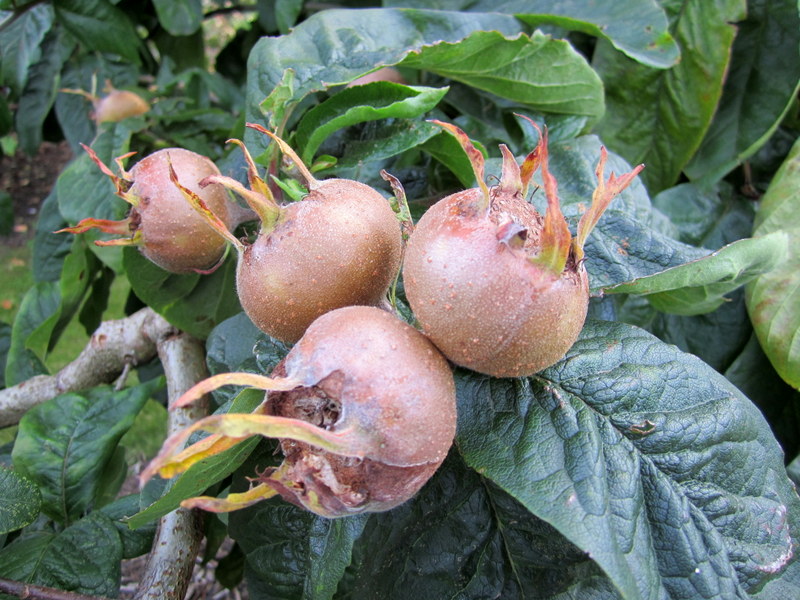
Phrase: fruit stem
(202, 209)
(601, 198)
(311, 181)
(476, 160)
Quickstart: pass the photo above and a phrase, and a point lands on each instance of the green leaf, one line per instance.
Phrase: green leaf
(462, 537)
(179, 17)
(660, 117)
(39, 303)
(642, 456)
(193, 303)
(134, 542)
(378, 100)
(760, 88)
(50, 249)
(101, 26)
(707, 217)
(636, 27)
(20, 501)
(446, 149)
(773, 300)
(41, 89)
(5, 345)
(538, 72)
(379, 141)
(200, 476)
(700, 286)
(66, 560)
(20, 44)
(6, 213)
(65, 444)
(334, 47)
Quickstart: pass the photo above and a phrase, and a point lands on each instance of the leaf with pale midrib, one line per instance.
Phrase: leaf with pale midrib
(642, 456)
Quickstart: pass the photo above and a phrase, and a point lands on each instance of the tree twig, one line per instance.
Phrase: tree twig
(39, 592)
(177, 541)
(115, 343)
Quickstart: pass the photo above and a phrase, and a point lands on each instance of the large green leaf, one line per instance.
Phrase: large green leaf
(101, 26)
(760, 87)
(65, 444)
(773, 300)
(700, 286)
(50, 249)
(378, 100)
(179, 17)
(41, 88)
(193, 303)
(636, 27)
(335, 47)
(84, 558)
(538, 72)
(660, 117)
(20, 500)
(20, 43)
(643, 457)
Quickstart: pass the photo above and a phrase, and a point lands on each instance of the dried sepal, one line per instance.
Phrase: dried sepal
(122, 227)
(264, 206)
(510, 178)
(121, 184)
(204, 211)
(475, 158)
(601, 198)
(311, 181)
(235, 501)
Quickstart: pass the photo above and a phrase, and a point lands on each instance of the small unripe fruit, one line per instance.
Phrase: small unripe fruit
(167, 230)
(498, 288)
(119, 105)
(364, 406)
(340, 245)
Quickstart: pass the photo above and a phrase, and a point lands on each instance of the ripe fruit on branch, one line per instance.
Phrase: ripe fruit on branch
(363, 405)
(496, 286)
(167, 230)
(115, 106)
(338, 246)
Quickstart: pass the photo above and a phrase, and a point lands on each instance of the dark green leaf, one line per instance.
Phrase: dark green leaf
(50, 249)
(6, 119)
(20, 500)
(371, 102)
(761, 86)
(643, 457)
(134, 542)
(700, 286)
(286, 13)
(446, 149)
(204, 473)
(66, 561)
(462, 537)
(660, 117)
(773, 299)
(179, 17)
(101, 26)
(193, 303)
(65, 444)
(379, 141)
(20, 44)
(636, 27)
(39, 303)
(710, 218)
(6, 213)
(538, 72)
(334, 47)
(41, 89)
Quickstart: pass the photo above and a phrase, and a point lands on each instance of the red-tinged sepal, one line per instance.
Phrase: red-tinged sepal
(400, 207)
(312, 182)
(121, 184)
(197, 391)
(602, 196)
(473, 154)
(122, 227)
(510, 178)
(204, 211)
(257, 184)
(533, 160)
(264, 206)
(232, 502)
(556, 239)
(171, 460)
